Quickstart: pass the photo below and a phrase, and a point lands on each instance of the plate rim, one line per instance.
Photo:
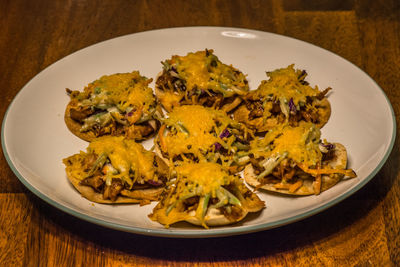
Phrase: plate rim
(199, 233)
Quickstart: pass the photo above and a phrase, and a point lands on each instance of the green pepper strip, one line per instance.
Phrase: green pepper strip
(98, 164)
(242, 160)
(204, 203)
(237, 90)
(236, 125)
(144, 118)
(223, 199)
(231, 198)
(166, 65)
(182, 128)
(115, 117)
(284, 106)
(170, 207)
(270, 164)
(241, 146)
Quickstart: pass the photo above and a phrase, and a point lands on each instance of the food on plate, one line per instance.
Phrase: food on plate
(120, 104)
(284, 98)
(197, 133)
(293, 160)
(200, 78)
(205, 194)
(117, 170)
(211, 133)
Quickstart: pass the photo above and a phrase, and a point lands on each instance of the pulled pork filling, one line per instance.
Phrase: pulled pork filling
(98, 177)
(200, 134)
(284, 98)
(200, 78)
(193, 196)
(308, 112)
(117, 104)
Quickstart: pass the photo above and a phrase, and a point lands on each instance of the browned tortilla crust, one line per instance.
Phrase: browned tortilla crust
(339, 161)
(128, 197)
(214, 216)
(75, 127)
(125, 197)
(324, 111)
(165, 98)
(260, 124)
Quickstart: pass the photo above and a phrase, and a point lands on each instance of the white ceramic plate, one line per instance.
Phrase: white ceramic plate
(35, 138)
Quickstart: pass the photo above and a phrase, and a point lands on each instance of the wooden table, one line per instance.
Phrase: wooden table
(363, 230)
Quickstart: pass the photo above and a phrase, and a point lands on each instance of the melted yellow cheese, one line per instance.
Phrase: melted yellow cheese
(170, 99)
(193, 69)
(208, 176)
(284, 84)
(207, 72)
(301, 143)
(126, 156)
(123, 90)
(201, 126)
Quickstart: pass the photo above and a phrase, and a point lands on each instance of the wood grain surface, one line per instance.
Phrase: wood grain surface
(363, 230)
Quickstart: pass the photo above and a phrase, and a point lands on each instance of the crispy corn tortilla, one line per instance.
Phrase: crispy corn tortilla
(260, 124)
(126, 196)
(339, 161)
(324, 111)
(223, 198)
(75, 127)
(213, 217)
(170, 99)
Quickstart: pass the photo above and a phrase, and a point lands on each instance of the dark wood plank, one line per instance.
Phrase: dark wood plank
(356, 237)
(15, 219)
(321, 5)
(380, 37)
(341, 37)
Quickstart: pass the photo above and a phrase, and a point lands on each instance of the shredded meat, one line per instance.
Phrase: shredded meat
(310, 116)
(80, 113)
(96, 182)
(112, 191)
(330, 155)
(235, 213)
(322, 94)
(88, 161)
(166, 81)
(191, 203)
(256, 109)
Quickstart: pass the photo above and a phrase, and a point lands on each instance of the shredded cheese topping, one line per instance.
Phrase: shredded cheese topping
(285, 83)
(199, 181)
(195, 129)
(132, 162)
(203, 70)
(124, 90)
(301, 143)
(206, 176)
